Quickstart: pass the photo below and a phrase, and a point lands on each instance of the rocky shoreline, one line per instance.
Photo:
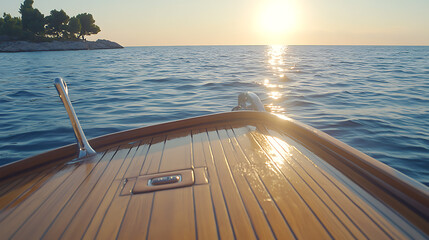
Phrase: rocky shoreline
(25, 46)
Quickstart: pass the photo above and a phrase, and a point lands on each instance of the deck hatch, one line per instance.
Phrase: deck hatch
(163, 181)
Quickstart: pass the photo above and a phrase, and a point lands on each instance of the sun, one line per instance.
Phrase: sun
(277, 18)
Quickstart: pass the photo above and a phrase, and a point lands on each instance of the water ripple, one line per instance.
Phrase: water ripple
(372, 98)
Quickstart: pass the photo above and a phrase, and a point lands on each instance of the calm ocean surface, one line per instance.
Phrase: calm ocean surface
(374, 98)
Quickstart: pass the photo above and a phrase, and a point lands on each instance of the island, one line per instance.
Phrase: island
(27, 46)
(55, 32)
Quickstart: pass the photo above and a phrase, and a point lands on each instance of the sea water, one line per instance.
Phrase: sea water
(374, 98)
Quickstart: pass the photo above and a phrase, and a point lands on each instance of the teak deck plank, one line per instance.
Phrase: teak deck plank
(276, 219)
(337, 227)
(256, 214)
(114, 216)
(204, 214)
(335, 201)
(173, 215)
(28, 206)
(256, 181)
(176, 154)
(373, 184)
(366, 216)
(223, 221)
(15, 182)
(36, 225)
(98, 216)
(89, 209)
(153, 157)
(136, 220)
(112, 204)
(127, 161)
(24, 188)
(349, 204)
(197, 150)
(65, 216)
(11, 190)
(368, 205)
(138, 159)
(237, 211)
(295, 209)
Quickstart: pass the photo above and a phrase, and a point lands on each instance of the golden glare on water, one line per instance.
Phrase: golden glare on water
(276, 56)
(275, 95)
(276, 61)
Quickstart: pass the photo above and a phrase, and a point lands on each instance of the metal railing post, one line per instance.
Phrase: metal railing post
(84, 148)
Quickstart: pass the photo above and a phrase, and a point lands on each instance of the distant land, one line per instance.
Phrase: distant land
(33, 31)
(27, 46)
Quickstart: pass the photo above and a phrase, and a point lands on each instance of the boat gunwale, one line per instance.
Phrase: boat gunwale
(403, 188)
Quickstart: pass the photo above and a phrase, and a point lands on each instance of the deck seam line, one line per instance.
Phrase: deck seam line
(293, 187)
(249, 186)
(193, 186)
(117, 192)
(62, 208)
(26, 190)
(8, 187)
(129, 199)
(145, 156)
(162, 154)
(59, 169)
(236, 151)
(129, 164)
(235, 183)
(83, 202)
(327, 194)
(145, 159)
(192, 160)
(195, 212)
(114, 196)
(35, 210)
(210, 187)
(366, 213)
(125, 213)
(326, 164)
(219, 184)
(265, 187)
(150, 214)
(306, 183)
(335, 202)
(92, 217)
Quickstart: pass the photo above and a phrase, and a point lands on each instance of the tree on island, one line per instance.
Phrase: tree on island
(88, 26)
(56, 24)
(32, 25)
(32, 20)
(10, 26)
(74, 28)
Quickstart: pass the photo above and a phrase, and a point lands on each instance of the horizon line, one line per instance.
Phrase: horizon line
(207, 45)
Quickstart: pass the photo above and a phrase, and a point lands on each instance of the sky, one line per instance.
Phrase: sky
(249, 22)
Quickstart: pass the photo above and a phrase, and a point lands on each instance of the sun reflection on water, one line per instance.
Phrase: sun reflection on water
(276, 55)
(276, 58)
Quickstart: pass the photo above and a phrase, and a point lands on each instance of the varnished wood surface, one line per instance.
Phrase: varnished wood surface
(253, 179)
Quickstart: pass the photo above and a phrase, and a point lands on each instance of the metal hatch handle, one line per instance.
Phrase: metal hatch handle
(84, 148)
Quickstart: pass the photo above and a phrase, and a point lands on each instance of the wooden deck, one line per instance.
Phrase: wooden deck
(252, 180)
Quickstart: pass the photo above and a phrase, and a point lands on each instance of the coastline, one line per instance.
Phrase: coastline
(26, 46)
